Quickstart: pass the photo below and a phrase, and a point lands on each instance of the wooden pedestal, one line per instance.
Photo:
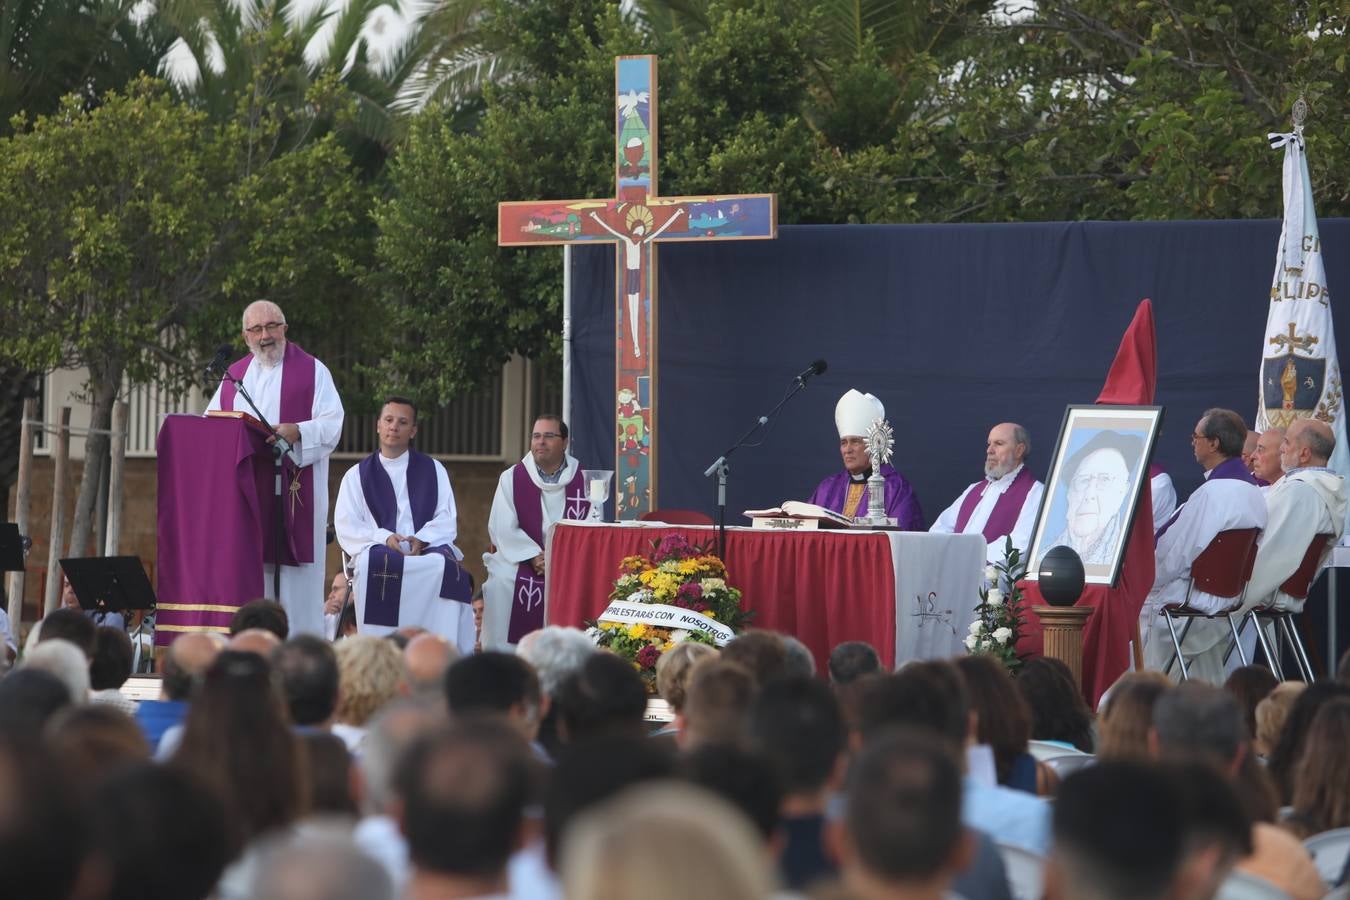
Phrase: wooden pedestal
(1063, 629)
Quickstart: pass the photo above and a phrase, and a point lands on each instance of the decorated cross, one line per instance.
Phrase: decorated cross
(634, 220)
(1291, 342)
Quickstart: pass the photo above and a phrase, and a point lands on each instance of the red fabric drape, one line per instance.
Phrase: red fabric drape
(1106, 651)
(824, 588)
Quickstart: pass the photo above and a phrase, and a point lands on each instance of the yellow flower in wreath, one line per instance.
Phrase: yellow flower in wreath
(648, 577)
(637, 631)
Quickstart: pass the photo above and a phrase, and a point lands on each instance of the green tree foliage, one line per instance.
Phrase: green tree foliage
(139, 219)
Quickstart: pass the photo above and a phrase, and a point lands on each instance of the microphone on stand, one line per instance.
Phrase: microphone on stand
(815, 368)
(222, 353)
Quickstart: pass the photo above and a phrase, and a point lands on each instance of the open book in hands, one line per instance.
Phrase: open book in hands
(796, 509)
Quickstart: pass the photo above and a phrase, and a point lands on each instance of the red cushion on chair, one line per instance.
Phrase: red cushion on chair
(1297, 584)
(1224, 567)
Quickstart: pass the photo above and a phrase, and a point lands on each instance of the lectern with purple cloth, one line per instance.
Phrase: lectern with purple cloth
(216, 521)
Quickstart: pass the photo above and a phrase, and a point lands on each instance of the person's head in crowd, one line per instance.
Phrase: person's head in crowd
(1218, 436)
(426, 658)
(112, 662)
(161, 833)
(1250, 685)
(1264, 462)
(795, 723)
(1284, 758)
(264, 329)
(237, 737)
(676, 666)
(371, 673)
(318, 865)
(66, 624)
(337, 593)
(901, 834)
(1197, 720)
(605, 696)
(307, 669)
(496, 683)
(715, 704)
(184, 664)
(555, 652)
(93, 739)
(477, 604)
(268, 615)
(255, 640)
(1321, 796)
(1127, 716)
(461, 799)
(28, 699)
(390, 734)
(1121, 832)
(744, 777)
(1219, 830)
(64, 660)
(44, 830)
(590, 773)
(762, 652)
(1058, 711)
(800, 661)
(399, 639)
(329, 767)
(852, 660)
(1272, 713)
(614, 849)
(1002, 717)
(928, 694)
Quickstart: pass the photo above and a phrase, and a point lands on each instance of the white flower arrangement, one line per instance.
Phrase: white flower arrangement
(998, 621)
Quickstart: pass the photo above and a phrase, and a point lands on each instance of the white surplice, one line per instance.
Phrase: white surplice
(1026, 518)
(302, 587)
(420, 601)
(1217, 505)
(1302, 504)
(514, 546)
(1164, 495)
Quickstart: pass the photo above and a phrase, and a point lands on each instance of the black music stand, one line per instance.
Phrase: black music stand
(12, 547)
(109, 583)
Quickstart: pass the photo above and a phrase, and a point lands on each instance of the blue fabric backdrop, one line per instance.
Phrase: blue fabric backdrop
(954, 327)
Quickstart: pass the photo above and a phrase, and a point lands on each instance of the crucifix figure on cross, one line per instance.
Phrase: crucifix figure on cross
(635, 220)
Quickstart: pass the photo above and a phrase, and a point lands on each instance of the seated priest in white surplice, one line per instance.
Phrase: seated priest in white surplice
(1228, 499)
(1004, 503)
(1307, 501)
(396, 519)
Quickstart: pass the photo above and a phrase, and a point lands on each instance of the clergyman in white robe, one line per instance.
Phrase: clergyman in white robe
(994, 488)
(420, 585)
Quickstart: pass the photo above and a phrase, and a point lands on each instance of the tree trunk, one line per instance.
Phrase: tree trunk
(103, 385)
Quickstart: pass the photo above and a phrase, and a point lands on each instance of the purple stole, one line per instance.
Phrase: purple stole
(527, 596)
(1003, 517)
(382, 597)
(1229, 468)
(297, 405)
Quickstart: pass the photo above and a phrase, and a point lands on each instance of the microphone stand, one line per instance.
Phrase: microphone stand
(720, 466)
(280, 447)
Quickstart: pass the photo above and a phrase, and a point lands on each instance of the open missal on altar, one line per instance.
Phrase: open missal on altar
(794, 514)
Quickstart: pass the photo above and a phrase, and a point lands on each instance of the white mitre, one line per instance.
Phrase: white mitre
(855, 412)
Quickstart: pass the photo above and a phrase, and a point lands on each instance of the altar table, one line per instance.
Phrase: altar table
(911, 595)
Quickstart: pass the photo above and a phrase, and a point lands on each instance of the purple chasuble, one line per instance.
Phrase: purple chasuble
(1229, 468)
(297, 405)
(385, 565)
(527, 598)
(901, 503)
(1003, 517)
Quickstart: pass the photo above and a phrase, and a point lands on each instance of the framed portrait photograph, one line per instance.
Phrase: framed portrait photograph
(1092, 490)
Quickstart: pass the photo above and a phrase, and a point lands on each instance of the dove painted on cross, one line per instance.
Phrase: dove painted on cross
(635, 220)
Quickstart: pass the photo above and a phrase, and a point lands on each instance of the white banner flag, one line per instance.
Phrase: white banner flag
(1300, 373)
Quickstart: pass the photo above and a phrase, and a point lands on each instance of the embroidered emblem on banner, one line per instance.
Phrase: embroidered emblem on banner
(1292, 383)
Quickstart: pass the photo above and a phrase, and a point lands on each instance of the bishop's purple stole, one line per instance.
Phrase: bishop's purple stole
(1003, 517)
(527, 598)
(297, 405)
(384, 564)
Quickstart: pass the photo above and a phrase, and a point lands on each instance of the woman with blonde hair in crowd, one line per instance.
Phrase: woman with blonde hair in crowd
(371, 672)
(1272, 713)
(1127, 715)
(673, 670)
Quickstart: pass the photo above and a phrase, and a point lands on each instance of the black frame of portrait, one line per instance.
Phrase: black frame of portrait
(1079, 418)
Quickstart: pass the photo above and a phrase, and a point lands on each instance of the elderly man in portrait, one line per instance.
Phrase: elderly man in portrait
(1099, 478)
(1004, 503)
(1228, 499)
(296, 395)
(396, 518)
(846, 492)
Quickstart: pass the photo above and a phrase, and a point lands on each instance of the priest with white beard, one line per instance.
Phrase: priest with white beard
(544, 487)
(1005, 502)
(396, 519)
(296, 395)
(1309, 500)
(1228, 499)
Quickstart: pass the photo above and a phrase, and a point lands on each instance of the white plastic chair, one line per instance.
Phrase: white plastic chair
(1241, 886)
(1329, 851)
(1066, 764)
(1026, 872)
